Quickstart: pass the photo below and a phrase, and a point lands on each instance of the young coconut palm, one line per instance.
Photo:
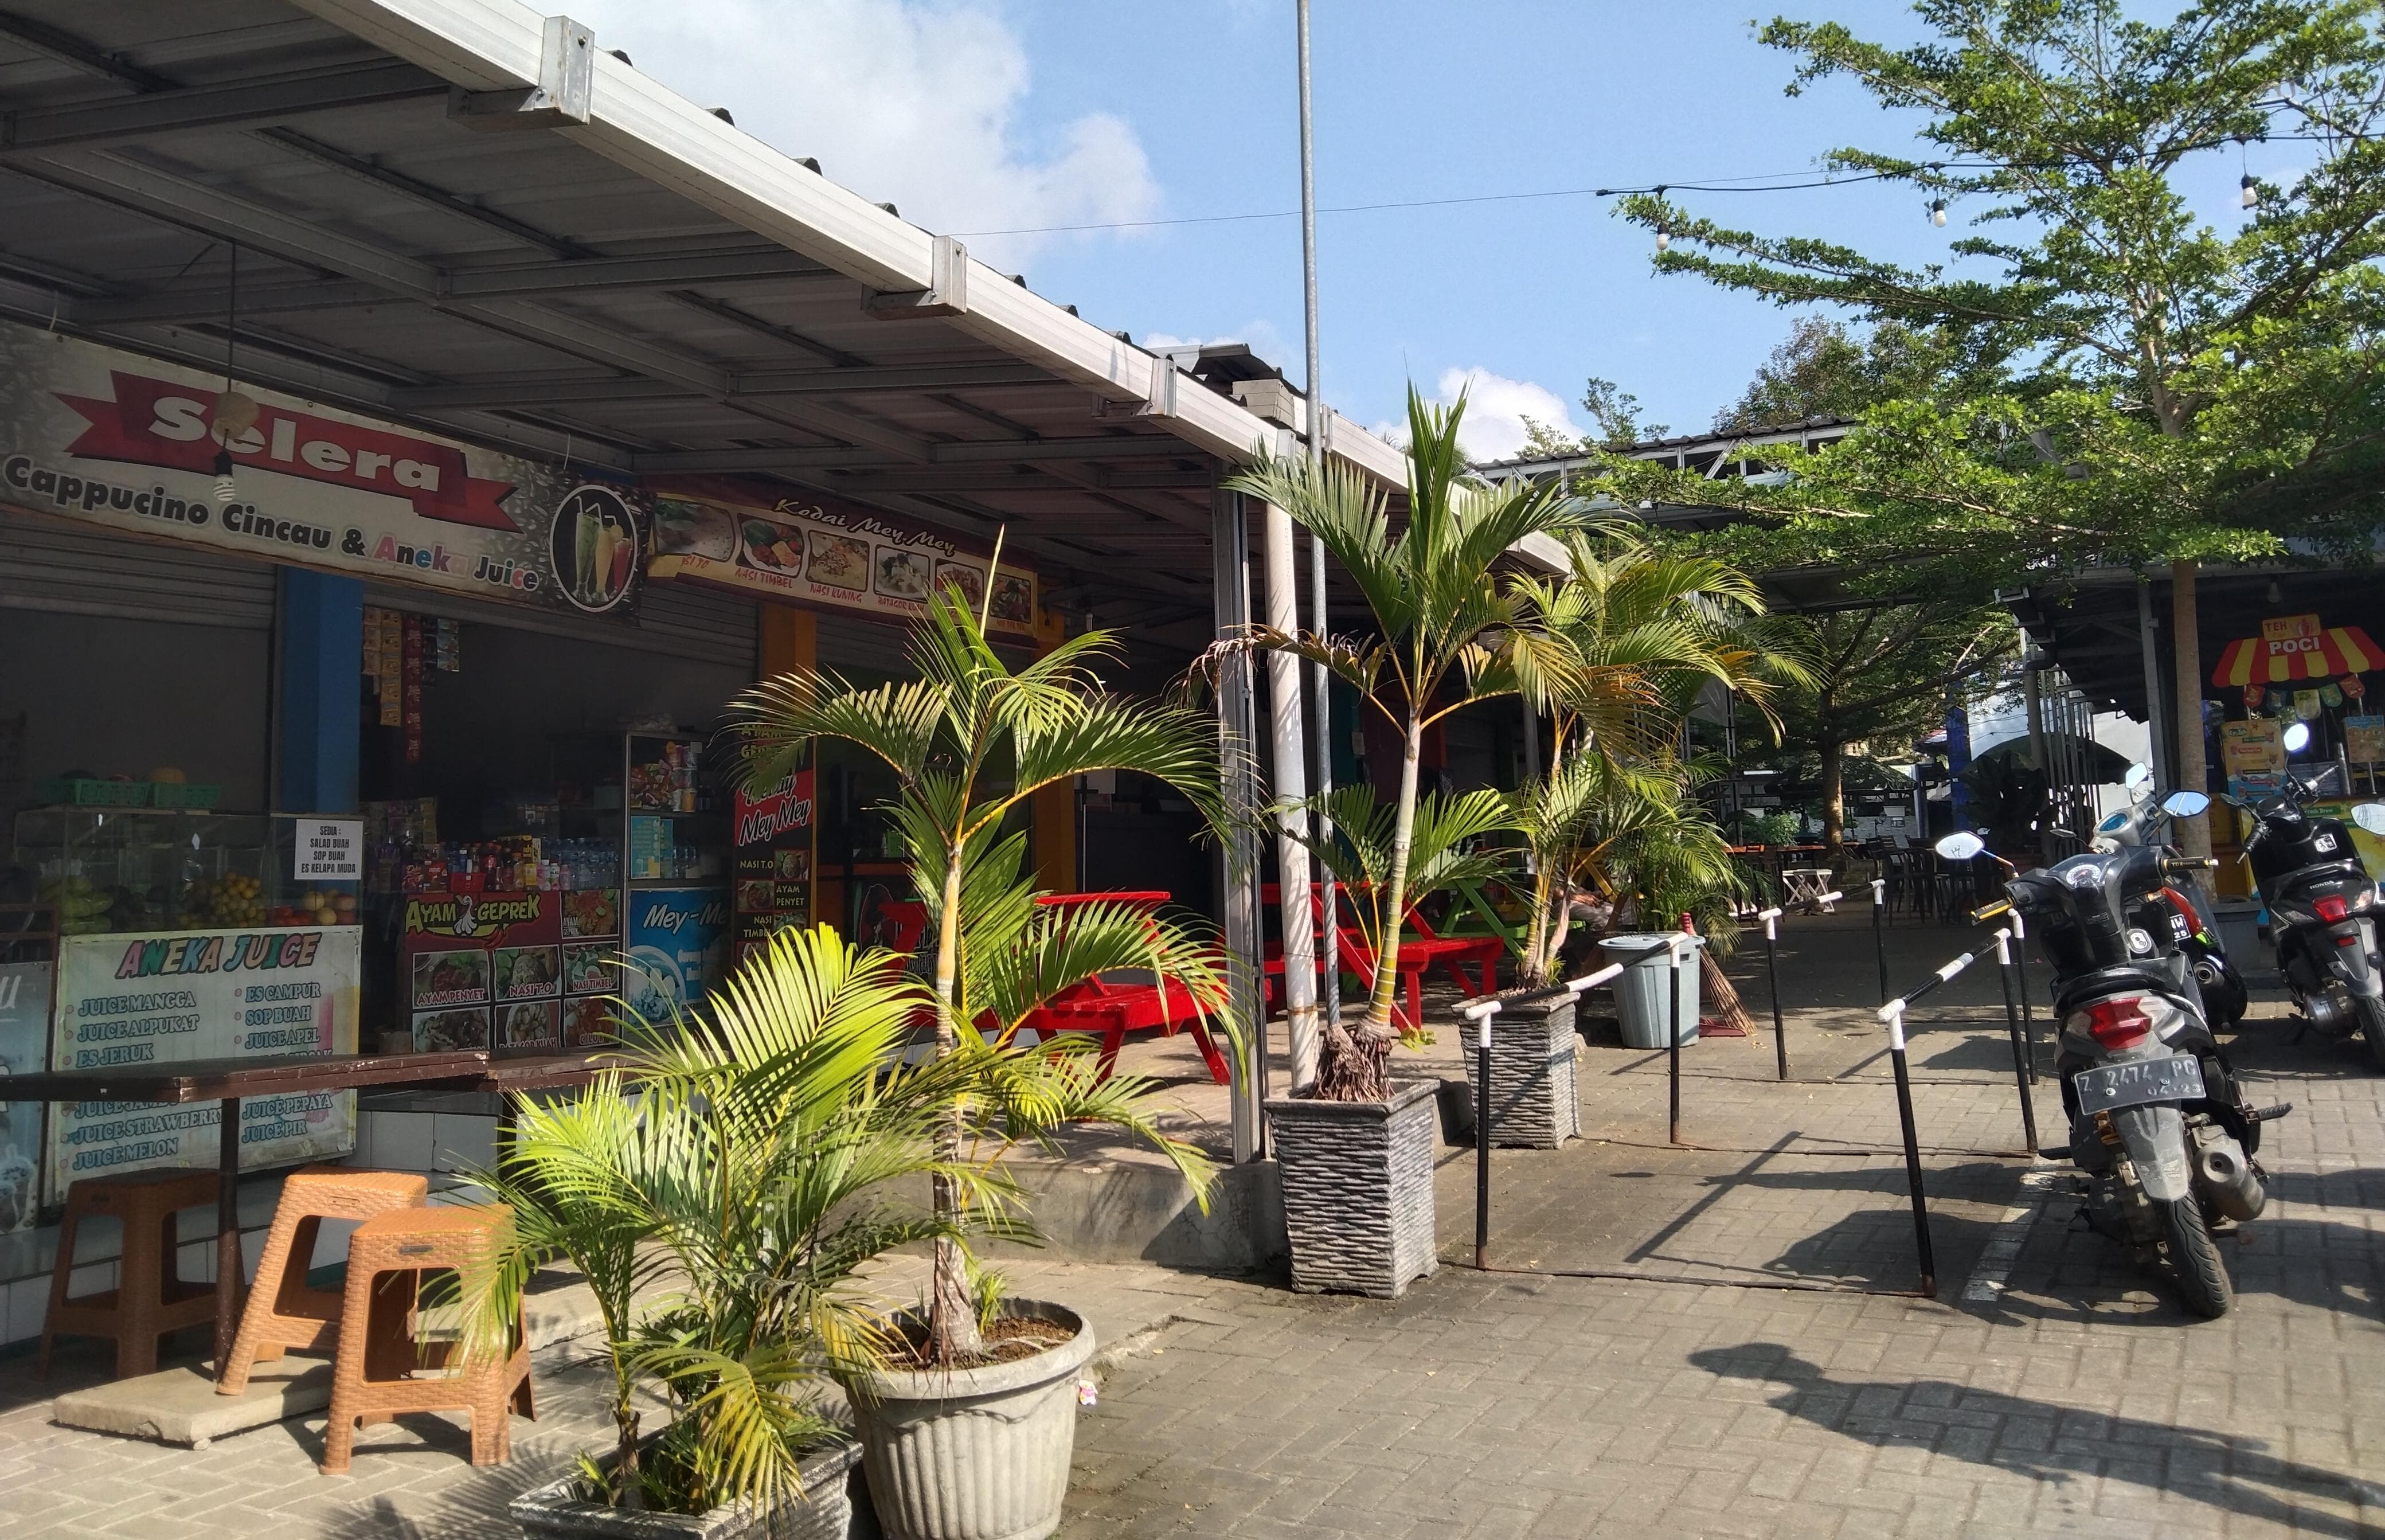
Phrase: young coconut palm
(724, 1215)
(970, 740)
(1647, 630)
(1450, 632)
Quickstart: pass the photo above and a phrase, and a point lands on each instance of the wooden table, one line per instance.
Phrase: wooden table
(228, 1080)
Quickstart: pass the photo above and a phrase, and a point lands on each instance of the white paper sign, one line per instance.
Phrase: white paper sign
(329, 849)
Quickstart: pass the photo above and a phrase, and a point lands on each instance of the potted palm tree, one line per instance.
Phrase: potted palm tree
(967, 1422)
(1356, 1149)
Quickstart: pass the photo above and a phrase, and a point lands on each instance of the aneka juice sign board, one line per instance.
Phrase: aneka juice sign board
(104, 437)
(823, 552)
(232, 994)
(483, 971)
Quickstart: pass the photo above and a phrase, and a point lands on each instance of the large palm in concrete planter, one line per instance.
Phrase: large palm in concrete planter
(975, 1454)
(1358, 1189)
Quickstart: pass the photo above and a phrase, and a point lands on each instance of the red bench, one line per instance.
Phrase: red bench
(1418, 955)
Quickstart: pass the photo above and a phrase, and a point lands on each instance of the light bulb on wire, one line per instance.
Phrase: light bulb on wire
(1664, 239)
(2251, 197)
(1938, 212)
(226, 488)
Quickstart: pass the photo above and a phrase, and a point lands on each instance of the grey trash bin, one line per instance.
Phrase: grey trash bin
(1640, 991)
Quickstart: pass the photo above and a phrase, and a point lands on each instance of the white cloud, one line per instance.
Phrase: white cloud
(909, 102)
(1259, 336)
(1496, 409)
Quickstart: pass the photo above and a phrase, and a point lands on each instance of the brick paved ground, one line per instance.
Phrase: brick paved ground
(2075, 1399)
(2078, 1399)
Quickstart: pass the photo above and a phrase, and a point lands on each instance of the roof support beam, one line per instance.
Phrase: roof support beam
(74, 53)
(583, 275)
(273, 98)
(1122, 447)
(761, 384)
(365, 168)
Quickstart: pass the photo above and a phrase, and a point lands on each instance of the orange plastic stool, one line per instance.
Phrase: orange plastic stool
(282, 1311)
(381, 1371)
(150, 1297)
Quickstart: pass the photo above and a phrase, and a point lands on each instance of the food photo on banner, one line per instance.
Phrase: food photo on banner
(827, 554)
(101, 437)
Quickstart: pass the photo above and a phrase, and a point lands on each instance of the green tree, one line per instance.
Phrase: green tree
(2115, 350)
(1882, 673)
(1824, 370)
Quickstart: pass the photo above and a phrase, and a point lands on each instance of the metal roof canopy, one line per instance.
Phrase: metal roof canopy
(469, 216)
(2088, 623)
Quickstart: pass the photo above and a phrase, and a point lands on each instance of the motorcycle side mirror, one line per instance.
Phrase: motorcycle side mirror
(2297, 737)
(1961, 845)
(2185, 804)
(2138, 775)
(2370, 816)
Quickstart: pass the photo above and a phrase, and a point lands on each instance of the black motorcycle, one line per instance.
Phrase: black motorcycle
(2322, 912)
(2192, 924)
(2158, 1122)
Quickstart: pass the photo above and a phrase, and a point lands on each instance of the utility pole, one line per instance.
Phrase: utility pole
(1320, 685)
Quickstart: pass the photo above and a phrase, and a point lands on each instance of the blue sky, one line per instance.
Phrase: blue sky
(1003, 115)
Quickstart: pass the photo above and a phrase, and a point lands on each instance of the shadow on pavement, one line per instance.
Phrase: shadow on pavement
(2053, 1444)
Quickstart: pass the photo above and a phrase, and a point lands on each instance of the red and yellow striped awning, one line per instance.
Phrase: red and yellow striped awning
(2323, 653)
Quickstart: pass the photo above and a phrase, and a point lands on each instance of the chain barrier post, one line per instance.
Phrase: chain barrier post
(2021, 1056)
(1482, 1134)
(1879, 935)
(2020, 986)
(1771, 919)
(1673, 1048)
(1893, 1014)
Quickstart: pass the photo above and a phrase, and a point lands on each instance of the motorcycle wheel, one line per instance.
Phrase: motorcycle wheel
(2194, 1261)
(2372, 1027)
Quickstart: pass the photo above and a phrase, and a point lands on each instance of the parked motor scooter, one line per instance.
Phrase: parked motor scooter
(2322, 912)
(2158, 1122)
(2146, 821)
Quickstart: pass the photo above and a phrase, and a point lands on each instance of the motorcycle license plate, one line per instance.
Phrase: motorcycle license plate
(2177, 1078)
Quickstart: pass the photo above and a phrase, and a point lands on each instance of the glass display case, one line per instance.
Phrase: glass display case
(150, 869)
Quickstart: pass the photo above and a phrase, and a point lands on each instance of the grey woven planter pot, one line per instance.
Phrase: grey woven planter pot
(1534, 1104)
(975, 1454)
(825, 1511)
(1357, 1190)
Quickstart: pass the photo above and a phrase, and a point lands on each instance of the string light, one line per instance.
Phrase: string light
(1663, 236)
(2251, 194)
(1938, 212)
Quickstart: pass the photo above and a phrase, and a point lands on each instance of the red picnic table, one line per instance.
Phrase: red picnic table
(1111, 1007)
(1418, 954)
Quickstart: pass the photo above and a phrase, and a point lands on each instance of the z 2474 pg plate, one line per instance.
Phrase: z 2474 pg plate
(2175, 1079)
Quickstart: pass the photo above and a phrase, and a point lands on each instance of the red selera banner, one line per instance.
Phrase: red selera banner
(158, 422)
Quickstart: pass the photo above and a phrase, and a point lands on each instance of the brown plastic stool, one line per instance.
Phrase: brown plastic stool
(150, 1297)
(282, 1311)
(375, 1377)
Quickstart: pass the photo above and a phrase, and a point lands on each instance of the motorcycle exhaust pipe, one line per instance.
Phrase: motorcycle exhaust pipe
(2228, 1178)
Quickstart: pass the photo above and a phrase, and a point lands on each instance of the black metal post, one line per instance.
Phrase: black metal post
(1673, 1048)
(1880, 935)
(2009, 955)
(227, 1231)
(2020, 986)
(1482, 1144)
(1772, 972)
(1912, 1155)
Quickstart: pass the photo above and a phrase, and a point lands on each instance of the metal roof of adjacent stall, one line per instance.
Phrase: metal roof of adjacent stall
(469, 216)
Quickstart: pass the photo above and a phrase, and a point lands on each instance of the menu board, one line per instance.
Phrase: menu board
(232, 994)
(24, 1049)
(773, 887)
(822, 553)
(677, 943)
(2252, 746)
(483, 971)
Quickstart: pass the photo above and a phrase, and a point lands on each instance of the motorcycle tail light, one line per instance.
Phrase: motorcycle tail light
(2332, 909)
(2119, 1022)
